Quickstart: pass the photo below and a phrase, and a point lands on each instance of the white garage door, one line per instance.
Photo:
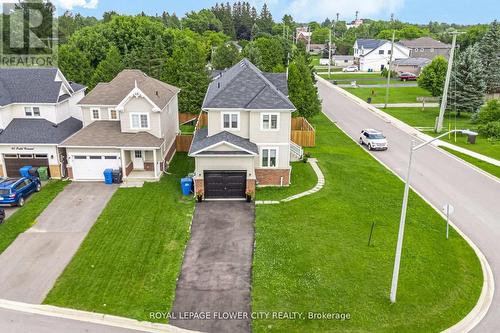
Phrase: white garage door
(91, 167)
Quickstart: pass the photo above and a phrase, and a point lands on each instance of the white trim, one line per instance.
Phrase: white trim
(117, 114)
(201, 156)
(32, 111)
(270, 114)
(269, 157)
(272, 143)
(110, 147)
(136, 93)
(139, 114)
(92, 113)
(220, 143)
(248, 110)
(230, 128)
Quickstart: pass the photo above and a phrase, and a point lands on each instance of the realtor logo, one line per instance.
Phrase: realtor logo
(28, 33)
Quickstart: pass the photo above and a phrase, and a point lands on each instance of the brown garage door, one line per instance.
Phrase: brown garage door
(13, 162)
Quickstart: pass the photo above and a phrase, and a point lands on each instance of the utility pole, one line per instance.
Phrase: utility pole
(330, 53)
(389, 70)
(439, 126)
(308, 39)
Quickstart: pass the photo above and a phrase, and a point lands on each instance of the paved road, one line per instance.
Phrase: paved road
(216, 272)
(440, 179)
(33, 262)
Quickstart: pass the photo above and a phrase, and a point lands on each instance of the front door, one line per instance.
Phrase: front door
(138, 159)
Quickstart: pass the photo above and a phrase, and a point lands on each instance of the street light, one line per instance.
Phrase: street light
(399, 245)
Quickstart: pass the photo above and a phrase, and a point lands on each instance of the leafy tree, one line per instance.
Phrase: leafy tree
(202, 21)
(170, 21)
(301, 89)
(468, 86)
(489, 112)
(107, 16)
(271, 52)
(225, 56)
(108, 68)
(149, 57)
(74, 64)
(252, 53)
(489, 48)
(433, 76)
(320, 36)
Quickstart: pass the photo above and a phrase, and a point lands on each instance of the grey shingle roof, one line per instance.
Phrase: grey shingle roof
(425, 43)
(412, 62)
(30, 85)
(201, 141)
(22, 130)
(370, 43)
(245, 86)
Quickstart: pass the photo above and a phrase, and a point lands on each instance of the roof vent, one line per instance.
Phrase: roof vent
(55, 125)
(218, 84)
(157, 93)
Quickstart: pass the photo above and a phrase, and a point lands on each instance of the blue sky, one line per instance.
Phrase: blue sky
(415, 11)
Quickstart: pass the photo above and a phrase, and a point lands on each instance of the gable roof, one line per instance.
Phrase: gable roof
(24, 130)
(425, 43)
(244, 86)
(202, 141)
(115, 91)
(369, 44)
(412, 62)
(32, 85)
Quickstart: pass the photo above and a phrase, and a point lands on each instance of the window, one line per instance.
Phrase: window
(269, 121)
(380, 51)
(138, 154)
(95, 114)
(110, 157)
(32, 111)
(25, 156)
(346, 61)
(269, 157)
(113, 114)
(139, 120)
(40, 156)
(9, 155)
(80, 157)
(231, 120)
(388, 51)
(96, 157)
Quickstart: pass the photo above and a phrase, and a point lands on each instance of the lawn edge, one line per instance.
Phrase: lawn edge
(486, 297)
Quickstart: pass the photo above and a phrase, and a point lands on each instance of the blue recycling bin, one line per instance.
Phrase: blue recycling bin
(186, 185)
(25, 171)
(108, 176)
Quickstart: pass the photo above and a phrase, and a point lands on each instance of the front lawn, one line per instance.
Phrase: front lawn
(303, 179)
(130, 260)
(396, 94)
(312, 254)
(26, 216)
(489, 168)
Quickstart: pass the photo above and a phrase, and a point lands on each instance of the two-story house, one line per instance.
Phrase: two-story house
(247, 140)
(37, 112)
(426, 47)
(129, 123)
(374, 54)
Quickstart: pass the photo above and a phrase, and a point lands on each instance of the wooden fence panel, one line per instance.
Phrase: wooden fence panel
(186, 117)
(304, 138)
(183, 142)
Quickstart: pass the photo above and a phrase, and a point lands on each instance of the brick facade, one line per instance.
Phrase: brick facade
(1, 170)
(149, 166)
(272, 176)
(251, 185)
(198, 185)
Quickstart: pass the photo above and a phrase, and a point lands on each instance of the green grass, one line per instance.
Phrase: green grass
(482, 145)
(372, 79)
(351, 76)
(303, 179)
(26, 216)
(187, 129)
(396, 94)
(489, 168)
(312, 254)
(130, 260)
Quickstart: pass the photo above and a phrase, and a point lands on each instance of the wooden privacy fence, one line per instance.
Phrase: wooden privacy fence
(187, 117)
(303, 133)
(183, 141)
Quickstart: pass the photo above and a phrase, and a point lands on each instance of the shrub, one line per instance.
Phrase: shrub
(384, 73)
(490, 130)
(489, 112)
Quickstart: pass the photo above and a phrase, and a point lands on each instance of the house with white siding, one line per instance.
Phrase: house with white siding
(373, 55)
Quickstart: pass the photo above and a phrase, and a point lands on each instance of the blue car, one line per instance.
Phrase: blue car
(13, 191)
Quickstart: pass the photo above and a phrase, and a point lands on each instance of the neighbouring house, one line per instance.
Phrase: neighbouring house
(354, 24)
(410, 65)
(247, 140)
(426, 47)
(317, 48)
(129, 123)
(342, 60)
(38, 110)
(303, 34)
(372, 55)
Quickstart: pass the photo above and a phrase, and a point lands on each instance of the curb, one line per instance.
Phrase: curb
(488, 288)
(91, 317)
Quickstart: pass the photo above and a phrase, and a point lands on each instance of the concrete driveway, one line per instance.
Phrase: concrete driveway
(216, 272)
(33, 262)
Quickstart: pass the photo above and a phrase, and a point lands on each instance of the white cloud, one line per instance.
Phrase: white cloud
(306, 10)
(70, 4)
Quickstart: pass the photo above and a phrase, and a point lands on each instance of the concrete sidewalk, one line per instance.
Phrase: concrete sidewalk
(33, 262)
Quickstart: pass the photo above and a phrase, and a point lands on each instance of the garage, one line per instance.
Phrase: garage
(91, 167)
(13, 162)
(225, 184)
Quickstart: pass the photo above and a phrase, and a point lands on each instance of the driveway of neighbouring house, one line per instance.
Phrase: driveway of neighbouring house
(30, 266)
(216, 272)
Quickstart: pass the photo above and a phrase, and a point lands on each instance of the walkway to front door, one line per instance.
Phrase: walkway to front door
(216, 272)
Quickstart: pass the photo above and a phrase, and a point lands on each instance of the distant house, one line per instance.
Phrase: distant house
(426, 47)
(354, 24)
(343, 60)
(410, 65)
(317, 48)
(303, 34)
(374, 54)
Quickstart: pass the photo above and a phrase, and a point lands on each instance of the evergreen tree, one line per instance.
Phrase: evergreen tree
(433, 76)
(468, 86)
(489, 48)
(225, 56)
(148, 58)
(301, 89)
(107, 68)
(265, 21)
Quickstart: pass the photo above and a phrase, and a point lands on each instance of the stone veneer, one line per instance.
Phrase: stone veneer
(272, 176)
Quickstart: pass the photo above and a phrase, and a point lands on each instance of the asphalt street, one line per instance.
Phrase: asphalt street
(439, 177)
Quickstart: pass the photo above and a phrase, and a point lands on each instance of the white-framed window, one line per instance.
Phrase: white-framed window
(269, 157)
(95, 113)
(380, 51)
(269, 121)
(231, 120)
(113, 114)
(32, 111)
(11, 156)
(139, 121)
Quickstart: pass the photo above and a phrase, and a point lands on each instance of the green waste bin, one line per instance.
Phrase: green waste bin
(43, 173)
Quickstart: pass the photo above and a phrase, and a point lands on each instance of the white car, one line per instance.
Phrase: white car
(373, 139)
(350, 69)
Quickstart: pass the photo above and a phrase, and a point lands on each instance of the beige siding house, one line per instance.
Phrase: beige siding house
(247, 140)
(129, 123)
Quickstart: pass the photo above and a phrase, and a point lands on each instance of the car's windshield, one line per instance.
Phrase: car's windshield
(375, 136)
(4, 191)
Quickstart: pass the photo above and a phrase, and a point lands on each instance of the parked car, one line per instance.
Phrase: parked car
(407, 77)
(13, 191)
(350, 69)
(2, 215)
(373, 139)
